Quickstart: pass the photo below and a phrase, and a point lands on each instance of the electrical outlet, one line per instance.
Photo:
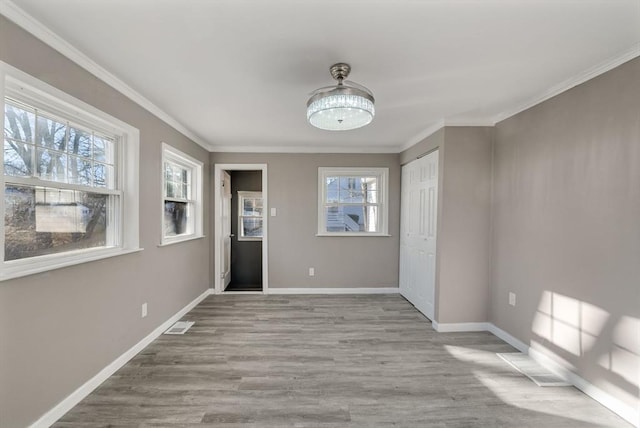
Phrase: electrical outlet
(144, 310)
(512, 299)
(312, 272)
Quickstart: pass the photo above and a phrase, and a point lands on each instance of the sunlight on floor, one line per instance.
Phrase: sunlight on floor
(503, 381)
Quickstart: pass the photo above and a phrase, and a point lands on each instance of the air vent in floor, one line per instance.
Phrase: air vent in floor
(531, 369)
(180, 327)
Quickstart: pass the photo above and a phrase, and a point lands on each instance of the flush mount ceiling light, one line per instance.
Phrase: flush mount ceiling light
(344, 106)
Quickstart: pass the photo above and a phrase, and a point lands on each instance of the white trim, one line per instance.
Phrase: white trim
(516, 343)
(426, 133)
(183, 160)
(305, 149)
(58, 261)
(25, 87)
(217, 224)
(571, 82)
(382, 174)
(190, 238)
(459, 327)
(242, 195)
(43, 33)
(351, 290)
(89, 386)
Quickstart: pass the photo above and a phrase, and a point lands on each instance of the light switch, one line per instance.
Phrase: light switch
(273, 212)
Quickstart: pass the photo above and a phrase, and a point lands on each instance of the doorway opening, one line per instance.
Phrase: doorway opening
(240, 223)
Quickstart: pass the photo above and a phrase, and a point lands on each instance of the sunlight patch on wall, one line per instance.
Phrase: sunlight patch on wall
(568, 323)
(624, 357)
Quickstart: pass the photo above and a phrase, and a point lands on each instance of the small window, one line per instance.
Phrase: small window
(182, 196)
(250, 211)
(352, 201)
(69, 177)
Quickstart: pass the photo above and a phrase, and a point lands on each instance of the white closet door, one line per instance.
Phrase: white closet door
(419, 209)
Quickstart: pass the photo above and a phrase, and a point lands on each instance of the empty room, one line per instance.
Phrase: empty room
(414, 213)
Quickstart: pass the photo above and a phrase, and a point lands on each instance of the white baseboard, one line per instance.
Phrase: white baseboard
(519, 345)
(459, 327)
(79, 394)
(628, 413)
(353, 290)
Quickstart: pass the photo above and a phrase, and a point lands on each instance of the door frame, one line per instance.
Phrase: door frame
(217, 221)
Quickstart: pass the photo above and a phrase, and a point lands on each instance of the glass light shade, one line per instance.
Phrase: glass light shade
(340, 109)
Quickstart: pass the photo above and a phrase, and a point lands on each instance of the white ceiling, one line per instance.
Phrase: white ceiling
(236, 74)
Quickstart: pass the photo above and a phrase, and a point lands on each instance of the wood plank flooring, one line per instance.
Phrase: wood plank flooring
(326, 361)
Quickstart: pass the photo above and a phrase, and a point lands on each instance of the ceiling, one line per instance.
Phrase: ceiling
(235, 75)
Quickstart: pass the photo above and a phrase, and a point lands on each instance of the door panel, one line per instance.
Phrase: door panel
(418, 226)
(226, 229)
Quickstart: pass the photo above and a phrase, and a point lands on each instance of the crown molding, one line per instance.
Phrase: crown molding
(305, 149)
(426, 133)
(576, 80)
(21, 18)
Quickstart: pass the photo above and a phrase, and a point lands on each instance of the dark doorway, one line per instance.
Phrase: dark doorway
(246, 253)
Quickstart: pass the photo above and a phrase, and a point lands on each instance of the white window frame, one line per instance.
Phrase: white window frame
(241, 196)
(194, 166)
(26, 88)
(383, 198)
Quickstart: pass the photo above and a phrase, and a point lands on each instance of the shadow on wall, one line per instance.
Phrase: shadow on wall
(607, 345)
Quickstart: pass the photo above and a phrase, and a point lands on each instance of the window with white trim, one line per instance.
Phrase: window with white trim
(352, 201)
(69, 179)
(250, 212)
(182, 208)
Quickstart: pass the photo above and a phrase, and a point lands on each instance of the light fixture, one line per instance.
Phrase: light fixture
(341, 107)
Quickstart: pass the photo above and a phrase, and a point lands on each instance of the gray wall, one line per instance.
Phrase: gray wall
(60, 328)
(246, 256)
(566, 229)
(293, 244)
(464, 213)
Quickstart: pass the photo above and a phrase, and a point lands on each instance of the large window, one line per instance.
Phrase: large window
(182, 196)
(352, 201)
(68, 179)
(250, 216)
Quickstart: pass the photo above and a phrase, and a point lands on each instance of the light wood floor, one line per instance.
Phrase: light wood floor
(326, 361)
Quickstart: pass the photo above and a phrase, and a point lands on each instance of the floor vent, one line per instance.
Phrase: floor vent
(180, 327)
(531, 369)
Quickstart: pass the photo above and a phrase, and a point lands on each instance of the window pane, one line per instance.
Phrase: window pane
(103, 149)
(17, 158)
(252, 207)
(19, 124)
(80, 170)
(252, 227)
(332, 191)
(362, 218)
(103, 176)
(176, 215)
(51, 165)
(80, 142)
(51, 134)
(42, 220)
(356, 189)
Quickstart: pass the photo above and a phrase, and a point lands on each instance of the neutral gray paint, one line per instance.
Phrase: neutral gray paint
(464, 212)
(293, 244)
(566, 220)
(60, 328)
(246, 256)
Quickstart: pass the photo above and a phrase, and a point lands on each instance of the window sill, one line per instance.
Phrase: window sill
(180, 240)
(249, 239)
(356, 234)
(22, 268)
